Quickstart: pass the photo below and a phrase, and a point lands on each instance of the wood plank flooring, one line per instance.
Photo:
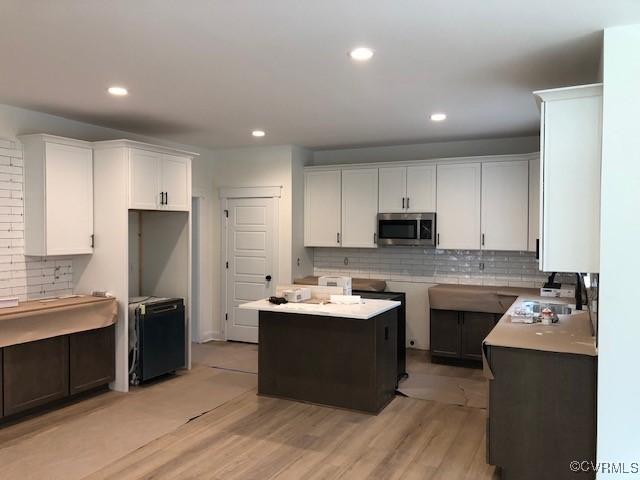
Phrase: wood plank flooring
(250, 437)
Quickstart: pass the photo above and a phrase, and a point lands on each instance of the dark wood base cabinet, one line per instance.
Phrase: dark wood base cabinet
(36, 374)
(459, 335)
(341, 362)
(542, 413)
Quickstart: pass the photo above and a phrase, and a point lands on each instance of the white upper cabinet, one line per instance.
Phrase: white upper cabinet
(534, 204)
(421, 189)
(505, 200)
(175, 182)
(144, 179)
(359, 207)
(407, 189)
(58, 176)
(322, 205)
(158, 181)
(458, 201)
(393, 190)
(571, 151)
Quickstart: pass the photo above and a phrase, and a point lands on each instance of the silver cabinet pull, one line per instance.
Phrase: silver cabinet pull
(402, 202)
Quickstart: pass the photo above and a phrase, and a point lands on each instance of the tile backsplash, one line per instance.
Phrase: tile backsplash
(21, 276)
(415, 264)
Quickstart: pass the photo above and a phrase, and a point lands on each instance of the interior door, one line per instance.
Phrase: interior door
(359, 207)
(69, 186)
(458, 199)
(175, 175)
(393, 189)
(144, 180)
(250, 268)
(505, 205)
(421, 189)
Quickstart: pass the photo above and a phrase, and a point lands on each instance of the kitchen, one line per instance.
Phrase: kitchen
(385, 270)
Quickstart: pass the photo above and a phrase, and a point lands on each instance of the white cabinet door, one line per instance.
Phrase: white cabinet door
(534, 204)
(571, 138)
(69, 199)
(421, 189)
(322, 205)
(144, 179)
(393, 190)
(458, 201)
(359, 207)
(175, 183)
(505, 201)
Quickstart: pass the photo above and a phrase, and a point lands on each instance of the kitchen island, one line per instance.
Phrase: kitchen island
(337, 355)
(542, 395)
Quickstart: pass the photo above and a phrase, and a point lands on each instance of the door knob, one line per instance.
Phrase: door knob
(268, 278)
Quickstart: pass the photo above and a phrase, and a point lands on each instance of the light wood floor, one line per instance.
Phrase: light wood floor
(250, 437)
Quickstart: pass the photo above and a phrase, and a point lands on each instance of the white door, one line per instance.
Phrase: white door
(175, 183)
(505, 205)
(322, 208)
(393, 190)
(144, 180)
(458, 200)
(421, 189)
(359, 207)
(534, 204)
(250, 269)
(69, 187)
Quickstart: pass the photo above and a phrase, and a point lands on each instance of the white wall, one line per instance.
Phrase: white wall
(425, 151)
(254, 167)
(619, 328)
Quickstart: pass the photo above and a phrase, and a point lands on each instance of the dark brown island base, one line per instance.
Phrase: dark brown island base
(54, 350)
(337, 355)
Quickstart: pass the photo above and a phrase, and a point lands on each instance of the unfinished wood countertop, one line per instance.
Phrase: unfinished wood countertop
(39, 319)
(476, 298)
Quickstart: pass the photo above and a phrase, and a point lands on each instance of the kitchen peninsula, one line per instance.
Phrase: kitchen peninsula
(337, 355)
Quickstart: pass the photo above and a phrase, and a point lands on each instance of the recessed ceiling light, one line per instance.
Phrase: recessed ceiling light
(118, 91)
(438, 117)
(258, 133)
(361, 54)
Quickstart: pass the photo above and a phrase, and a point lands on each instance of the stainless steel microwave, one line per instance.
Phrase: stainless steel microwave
(408, 229)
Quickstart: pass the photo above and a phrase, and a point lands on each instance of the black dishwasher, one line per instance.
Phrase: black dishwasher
(402, 324)
(159, 337)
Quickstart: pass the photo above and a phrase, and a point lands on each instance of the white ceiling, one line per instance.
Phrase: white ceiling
(207, 72)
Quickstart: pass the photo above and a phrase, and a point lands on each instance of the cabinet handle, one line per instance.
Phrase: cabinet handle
(375, 237)
(438, 241)
(408, 198)
(537, 249)
(338, 237)
(403, 202)
(483, 239)
(166, 198)
(161, 198)
(93, 239)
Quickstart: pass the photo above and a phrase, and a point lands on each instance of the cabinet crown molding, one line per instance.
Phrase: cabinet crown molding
(431, 161)
(45, 137)
(141, 146)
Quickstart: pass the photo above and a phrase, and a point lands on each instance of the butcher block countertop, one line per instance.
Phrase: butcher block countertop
(39, 319)
(369, 308)
(476, 298)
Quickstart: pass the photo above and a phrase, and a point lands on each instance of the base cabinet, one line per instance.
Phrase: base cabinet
(36, 374)
(459, 335)
(91, 359)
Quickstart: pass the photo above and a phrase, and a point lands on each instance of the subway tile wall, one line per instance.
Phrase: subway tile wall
(409, 264)
(21, 276)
